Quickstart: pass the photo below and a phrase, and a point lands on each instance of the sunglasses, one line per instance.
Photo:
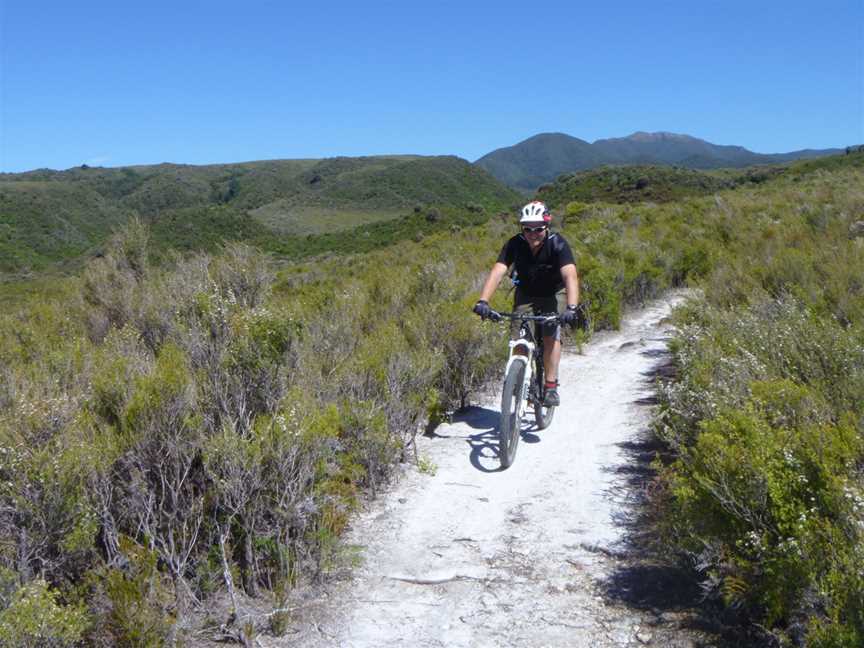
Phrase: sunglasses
(534, 230)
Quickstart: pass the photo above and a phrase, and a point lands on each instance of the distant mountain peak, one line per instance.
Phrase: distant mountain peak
(659, 136)
(645, 137)
(546, 137)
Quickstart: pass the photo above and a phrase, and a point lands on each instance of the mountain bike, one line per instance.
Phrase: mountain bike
(523, 382)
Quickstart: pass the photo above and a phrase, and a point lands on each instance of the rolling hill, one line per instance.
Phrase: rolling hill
(49, 217)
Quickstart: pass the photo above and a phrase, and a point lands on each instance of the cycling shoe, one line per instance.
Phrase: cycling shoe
(552, 399)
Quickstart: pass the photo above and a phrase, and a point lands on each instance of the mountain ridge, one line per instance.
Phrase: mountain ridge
(539, 159)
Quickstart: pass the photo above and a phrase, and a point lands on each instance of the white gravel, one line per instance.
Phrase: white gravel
(475, 556)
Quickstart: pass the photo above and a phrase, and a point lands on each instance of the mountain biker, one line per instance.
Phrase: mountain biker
(544, 272)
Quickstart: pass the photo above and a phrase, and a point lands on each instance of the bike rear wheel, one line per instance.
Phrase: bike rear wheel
(511, 422)
(542, 414)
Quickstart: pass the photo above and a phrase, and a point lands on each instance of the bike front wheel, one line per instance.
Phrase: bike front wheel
(511, 420)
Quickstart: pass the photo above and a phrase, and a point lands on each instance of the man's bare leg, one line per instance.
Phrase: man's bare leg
(551, 357)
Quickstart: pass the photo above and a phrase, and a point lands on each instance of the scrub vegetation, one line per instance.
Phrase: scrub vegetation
(761, 491)
(635, 184)
(188, 431)
(764, 497)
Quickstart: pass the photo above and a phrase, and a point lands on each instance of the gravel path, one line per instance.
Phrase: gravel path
(468, 555)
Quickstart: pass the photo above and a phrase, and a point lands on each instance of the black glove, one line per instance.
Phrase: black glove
(570, 317)
(576, 317)
(483, 309)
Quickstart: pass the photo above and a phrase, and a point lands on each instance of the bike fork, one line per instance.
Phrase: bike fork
(526, 390)
(528, 348)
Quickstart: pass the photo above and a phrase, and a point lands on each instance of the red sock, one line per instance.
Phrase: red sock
(551, 384)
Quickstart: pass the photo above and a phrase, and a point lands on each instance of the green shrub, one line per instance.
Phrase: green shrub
(35, 616)
(575, 209)
(769, 498)
(138, 600)
(765, 423)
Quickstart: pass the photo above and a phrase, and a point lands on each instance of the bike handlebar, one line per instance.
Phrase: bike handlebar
(495, 316)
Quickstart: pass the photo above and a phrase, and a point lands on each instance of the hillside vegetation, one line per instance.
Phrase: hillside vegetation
(173, 436)
(633, 184)
(570, 192)
(764, 496)
(54, 217)
(41, 222)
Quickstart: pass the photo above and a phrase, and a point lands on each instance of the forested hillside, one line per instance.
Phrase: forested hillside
(184, 435)
(48, 218)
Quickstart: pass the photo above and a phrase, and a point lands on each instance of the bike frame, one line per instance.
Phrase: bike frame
(525, 341)
(515, 397)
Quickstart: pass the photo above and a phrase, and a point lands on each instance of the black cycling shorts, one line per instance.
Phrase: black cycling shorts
(539, 305)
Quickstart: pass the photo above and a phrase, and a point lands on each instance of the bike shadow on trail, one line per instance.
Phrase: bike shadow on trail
(484, 444)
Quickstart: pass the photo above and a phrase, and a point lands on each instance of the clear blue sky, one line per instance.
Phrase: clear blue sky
(117, 83)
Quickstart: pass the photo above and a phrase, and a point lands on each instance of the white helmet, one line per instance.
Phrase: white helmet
(535, 212)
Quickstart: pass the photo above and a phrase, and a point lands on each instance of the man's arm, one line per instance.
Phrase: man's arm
(571, 283)
(495, 275)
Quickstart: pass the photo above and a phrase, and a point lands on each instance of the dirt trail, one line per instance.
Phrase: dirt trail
(474, 556)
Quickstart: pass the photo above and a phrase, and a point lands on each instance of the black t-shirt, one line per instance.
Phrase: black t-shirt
(538, 276)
